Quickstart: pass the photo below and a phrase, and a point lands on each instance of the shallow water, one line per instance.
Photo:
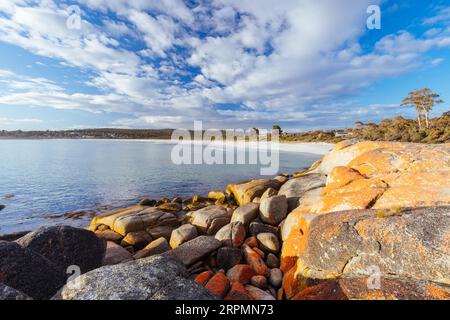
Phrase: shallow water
(56, 176)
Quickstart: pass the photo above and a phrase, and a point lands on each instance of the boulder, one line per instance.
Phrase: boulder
(210, 219)
(182, 234)
(218, 285)
(268, 242)
(269, 193)
(408, 243)
(66, 246)
(8, 293)
(255, 261)
(217, 195)
(228, 257)
(154, 278)
(155, 247)
(246, 213)
(160, 232)
(170, 207)
(147, 202)
(203, 278)
(258, 294)
(246, 191)
(238, 293)
(294, 189)
(29, 272)
(135, 218)
(116, 254)
(136, 239)
(109, 235)
(232, 234)
(273, 210)
(194, 250)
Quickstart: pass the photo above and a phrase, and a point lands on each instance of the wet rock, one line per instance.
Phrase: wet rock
(170, 207)
(258, 294)
(116, 254)
(147, 202)
(209, 220)
(232, 234)
(109, 235)
(137, 239)
(294, 189)
(182, 234)
(240, 273)
(228, 257)
(246, 213)
(195, 250)
(245, 192)
(273, 210)
(66, 246)
(268, 242)
(276, 277)
(218, 285)
(259, 282)
(8, 293)
(238, 293)
(255, 261)
(154, 278)
(29, 272)
(2, 206)
(155, 247)
(258, 227)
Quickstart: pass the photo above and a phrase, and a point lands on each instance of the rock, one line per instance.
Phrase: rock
(294, 189)
(245, 192)
(258, 294)
(272, 261)
(177, 200)
(136, 218)
(273, 210)
(259, 282)
(210, 219)
(268, 242)
(182, 234)
(269, 193)
(246, 213)
(240, 273)
(170, 207)
(258, 227)
(409, 243)
(256, 200)
(255, 261)
(109, 235)
(29, 272)
(232, 234)
(160, 232)
(8, 293)
(13, 236)
(194, 250)
(252, 242)
(259, 252)
(137, 239)
(218, 285)
(2, 206)
(155, 247)
(66, 246)
(238, 293)
(154, 278)
(282, 179)
(116, 254)
(147, 202)
(217, 195)
(276, 277)
(203, 278)
(329, 290)
(228, 257)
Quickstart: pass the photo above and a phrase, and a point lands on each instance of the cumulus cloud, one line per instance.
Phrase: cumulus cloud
(169, 62)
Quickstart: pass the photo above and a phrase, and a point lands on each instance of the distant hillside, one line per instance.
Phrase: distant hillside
(397, 129)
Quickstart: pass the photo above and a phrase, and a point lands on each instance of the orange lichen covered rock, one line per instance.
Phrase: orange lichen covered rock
(238, 293)
(255, 261)
(203, 278)
(218, 285)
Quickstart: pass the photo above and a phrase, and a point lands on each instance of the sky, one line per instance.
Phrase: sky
(301, 64)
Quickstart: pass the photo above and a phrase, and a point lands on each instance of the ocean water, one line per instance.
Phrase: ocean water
(40, 178)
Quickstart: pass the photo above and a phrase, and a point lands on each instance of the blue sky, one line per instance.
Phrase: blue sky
(232, 64)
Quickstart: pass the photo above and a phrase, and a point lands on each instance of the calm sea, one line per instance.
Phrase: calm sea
(40, 178)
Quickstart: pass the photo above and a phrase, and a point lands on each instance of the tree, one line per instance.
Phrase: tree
(423, 100)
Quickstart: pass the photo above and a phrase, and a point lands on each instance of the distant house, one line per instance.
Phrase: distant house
(342, 133)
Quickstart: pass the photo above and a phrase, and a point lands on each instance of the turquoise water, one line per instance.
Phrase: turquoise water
(56, 176)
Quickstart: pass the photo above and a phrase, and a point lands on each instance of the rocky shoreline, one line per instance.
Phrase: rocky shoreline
(371, 220)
